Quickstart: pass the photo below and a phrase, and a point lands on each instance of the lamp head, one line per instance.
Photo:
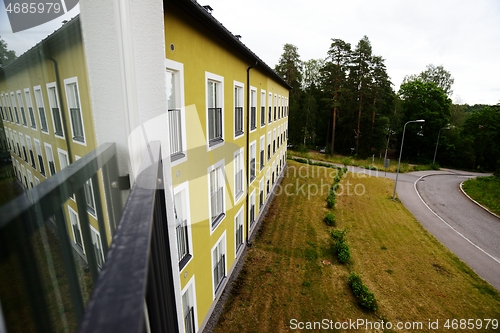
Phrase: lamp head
(420, 121)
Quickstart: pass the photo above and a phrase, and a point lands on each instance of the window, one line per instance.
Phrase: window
(63, 158)
(30, 179)
(262, 154)
(2, 104)
(6, 103)
(270, 108)
(238, 174)
(268, 145)
(262, 108)
(238, 109)
(41, 109)
(25, 179)
(274, 141)
(253, 158)
(88, 188)
(16, 138)
(261, 193)
(219, 264)
(189, 307)
(75, 112)
(38, 150)
(37, 181)
(252, 208)
(50, 159)
(25, 153)
(182, 224)
(279, 107)
(14, 105)
(216, 188)
(278, 142)
(54, 107)
(29, 105)
(268, 187)
(21, 108)
(215, 109)
(274, 104)
(238, 227)
(176, 116)
(75, 227)
(96, 243)
(253, 108)
(272, 182)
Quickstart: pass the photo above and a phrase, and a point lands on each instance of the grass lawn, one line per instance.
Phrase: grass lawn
(378, 163)
(290, 271)
(486, 191)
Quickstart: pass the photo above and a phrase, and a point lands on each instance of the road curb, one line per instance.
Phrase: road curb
(477, 203)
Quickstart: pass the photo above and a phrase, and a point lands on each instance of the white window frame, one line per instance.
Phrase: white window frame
(178, 70)
(268, 150)
(78, 225)
(22, 110)
(262, 188)
(37, 181)
(239, 98)
(96, 238)
(262, 156)
(63, 156)
(263, 97)
(216, 290)
(40, 105)
(220, 94)
(29, 105)
(183, 191)
(68, 83)
(275, 109)
(269, 187)
(190, 288)
(39, 152)
(23, 146)
(253, 106)
(253, 155)
(2, 107)
(14, 106)
(238, 160)
(270, 106)
(222, 183)
(54, 103)
(24, 179)
(30, 179)
(239, 222)
(252, 202)
(49, 154)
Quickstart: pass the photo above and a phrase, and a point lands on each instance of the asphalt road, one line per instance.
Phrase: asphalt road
(435, 199)
(462, 226)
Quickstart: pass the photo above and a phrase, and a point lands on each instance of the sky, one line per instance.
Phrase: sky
(461, 35)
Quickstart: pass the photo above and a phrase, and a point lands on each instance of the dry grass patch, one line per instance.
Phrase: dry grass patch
(290, 271)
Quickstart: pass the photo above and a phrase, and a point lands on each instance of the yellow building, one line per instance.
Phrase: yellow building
(47, 118)
(228, 115)
(224, 128)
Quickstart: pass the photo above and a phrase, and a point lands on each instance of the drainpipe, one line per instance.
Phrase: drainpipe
(248, 151)
(61, 107)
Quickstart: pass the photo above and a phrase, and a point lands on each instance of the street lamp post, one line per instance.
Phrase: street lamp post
(435, 151)
(401, 151)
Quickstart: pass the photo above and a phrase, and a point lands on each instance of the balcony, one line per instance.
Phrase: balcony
(58, 272)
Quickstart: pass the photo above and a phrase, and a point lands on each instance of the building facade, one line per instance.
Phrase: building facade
(222, 123)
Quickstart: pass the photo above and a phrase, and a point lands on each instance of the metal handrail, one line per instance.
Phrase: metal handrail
(25, 215)
(135, 291)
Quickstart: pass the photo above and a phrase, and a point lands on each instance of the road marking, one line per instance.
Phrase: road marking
(439, 217)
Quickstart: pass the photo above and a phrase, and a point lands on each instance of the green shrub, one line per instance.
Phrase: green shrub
(331, 200)
(340, 247)
(342, 251)
(330, 219)
(365, 297)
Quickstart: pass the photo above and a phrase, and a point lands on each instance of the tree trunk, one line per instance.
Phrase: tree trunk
(334, 124)
(358, 133)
